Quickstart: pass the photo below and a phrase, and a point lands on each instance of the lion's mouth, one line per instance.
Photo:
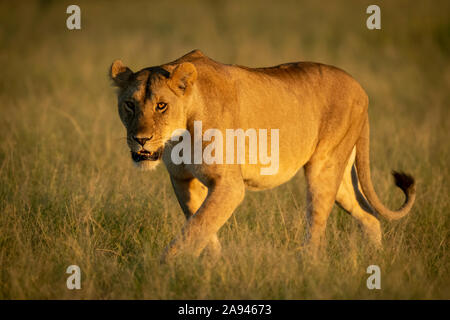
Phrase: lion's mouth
(145, 155)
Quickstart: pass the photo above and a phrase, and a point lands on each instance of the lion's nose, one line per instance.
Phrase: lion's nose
(142, 140)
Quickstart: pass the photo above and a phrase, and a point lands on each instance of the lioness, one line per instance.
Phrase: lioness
(321, 114)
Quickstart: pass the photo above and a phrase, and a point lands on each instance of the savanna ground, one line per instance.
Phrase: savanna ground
(69, 194)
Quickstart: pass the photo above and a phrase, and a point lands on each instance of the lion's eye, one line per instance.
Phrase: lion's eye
(129, 105)
(161, 106)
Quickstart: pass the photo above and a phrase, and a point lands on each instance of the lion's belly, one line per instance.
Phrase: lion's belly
(255, 181)
(290, 162)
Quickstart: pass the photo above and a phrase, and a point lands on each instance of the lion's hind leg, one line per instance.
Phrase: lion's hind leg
(322, 178)
(350, 198)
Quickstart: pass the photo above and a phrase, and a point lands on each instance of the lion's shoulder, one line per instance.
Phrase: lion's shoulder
(195, 57)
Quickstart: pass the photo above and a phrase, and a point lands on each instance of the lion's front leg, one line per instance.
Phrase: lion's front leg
(200, 230)
(191, 193)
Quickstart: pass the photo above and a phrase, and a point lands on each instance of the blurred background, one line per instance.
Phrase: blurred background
(69, 195)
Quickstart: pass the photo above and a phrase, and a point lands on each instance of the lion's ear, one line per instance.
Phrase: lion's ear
(119, 73)
(182, 78)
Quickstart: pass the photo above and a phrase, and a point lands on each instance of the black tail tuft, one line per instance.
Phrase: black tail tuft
(404, 181)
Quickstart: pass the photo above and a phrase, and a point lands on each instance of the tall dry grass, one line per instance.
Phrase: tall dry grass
(68, 194)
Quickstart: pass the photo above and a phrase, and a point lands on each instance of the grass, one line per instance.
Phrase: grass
(68, 194)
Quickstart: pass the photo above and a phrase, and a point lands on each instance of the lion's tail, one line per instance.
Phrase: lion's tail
(402, 180)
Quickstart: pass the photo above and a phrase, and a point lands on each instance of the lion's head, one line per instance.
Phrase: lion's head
(152, 105)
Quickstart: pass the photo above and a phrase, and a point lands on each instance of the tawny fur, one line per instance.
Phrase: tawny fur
(321, 114)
